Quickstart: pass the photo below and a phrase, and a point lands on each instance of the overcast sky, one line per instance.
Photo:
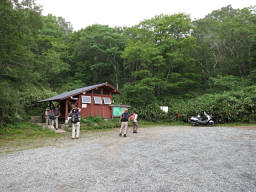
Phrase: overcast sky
(82, 13)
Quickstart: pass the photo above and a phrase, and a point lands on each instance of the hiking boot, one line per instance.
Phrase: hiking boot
(124, 135)
(134, 131)
(120, 134)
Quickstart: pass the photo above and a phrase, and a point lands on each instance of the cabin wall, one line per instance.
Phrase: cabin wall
(92, 109)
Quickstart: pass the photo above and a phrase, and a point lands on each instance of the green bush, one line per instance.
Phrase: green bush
(150, 112)
(96, 122)
(232, 106)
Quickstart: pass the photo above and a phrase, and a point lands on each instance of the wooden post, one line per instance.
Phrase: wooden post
(66, 109)
(69, 103)
(79, 102)
(110, 108)
(51, 105)
(102, 105)
(92, 104)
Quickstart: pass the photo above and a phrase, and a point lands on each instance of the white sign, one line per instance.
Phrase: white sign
(164, 108)
(107, 100)
(86, 99)
(84, 105)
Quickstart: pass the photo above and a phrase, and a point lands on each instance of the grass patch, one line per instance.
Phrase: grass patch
(161, 123)
(24, 131)
(25, 135)
(96, 123)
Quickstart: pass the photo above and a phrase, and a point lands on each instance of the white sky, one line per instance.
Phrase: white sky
(82, 13)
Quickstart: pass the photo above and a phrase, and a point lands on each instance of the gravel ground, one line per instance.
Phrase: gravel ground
(156, 159)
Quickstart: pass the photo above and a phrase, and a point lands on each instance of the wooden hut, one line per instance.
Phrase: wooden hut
(94, 100)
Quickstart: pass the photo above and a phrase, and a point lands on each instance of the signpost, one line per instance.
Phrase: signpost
(117, 110)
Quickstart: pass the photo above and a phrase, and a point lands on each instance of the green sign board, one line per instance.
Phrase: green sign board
(116, 111)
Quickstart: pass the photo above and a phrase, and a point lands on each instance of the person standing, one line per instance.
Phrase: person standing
(52, 118)
(124, 118)
(75, 121)
(135, 122)
(47, 118)
(56, 120)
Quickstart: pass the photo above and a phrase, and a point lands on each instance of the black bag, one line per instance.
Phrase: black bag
(52, 116)
(125, 117)
(75, 116)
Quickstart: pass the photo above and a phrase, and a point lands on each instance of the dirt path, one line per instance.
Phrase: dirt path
(155, 159)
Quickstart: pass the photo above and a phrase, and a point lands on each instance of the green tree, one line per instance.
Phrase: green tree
(226, 41)
(52, 51)
(160, 56)
(97, 54)
(19, 23)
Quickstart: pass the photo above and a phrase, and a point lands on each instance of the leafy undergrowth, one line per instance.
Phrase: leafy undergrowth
(95, 123)
(162, 123)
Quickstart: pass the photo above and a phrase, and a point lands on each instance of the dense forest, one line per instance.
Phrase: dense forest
(191, 66)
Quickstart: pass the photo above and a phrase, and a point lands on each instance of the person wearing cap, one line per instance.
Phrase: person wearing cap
(124, 119)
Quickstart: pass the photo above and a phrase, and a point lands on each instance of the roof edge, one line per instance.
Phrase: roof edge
(116, 91)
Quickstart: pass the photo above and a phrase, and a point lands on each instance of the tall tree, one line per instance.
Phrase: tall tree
(98, 54)
(52, 51)
(19, 23)
(160, 55)
(226, 38)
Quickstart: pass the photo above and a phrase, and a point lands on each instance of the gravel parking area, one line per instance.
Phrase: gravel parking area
(210, 159)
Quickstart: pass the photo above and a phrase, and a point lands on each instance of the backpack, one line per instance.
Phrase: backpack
(75, 116)
(51, 115)
(125, 117)
(132, 117)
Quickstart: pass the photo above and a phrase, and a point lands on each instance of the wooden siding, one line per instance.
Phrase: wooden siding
(92, 109)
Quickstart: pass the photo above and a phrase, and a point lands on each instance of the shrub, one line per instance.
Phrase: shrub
(151, 112)
(96, 122)
(232, 106)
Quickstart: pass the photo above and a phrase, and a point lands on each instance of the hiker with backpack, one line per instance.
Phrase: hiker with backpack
(75, 121)
(124, 118)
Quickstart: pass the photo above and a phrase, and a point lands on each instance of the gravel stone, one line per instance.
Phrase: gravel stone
(164, 159)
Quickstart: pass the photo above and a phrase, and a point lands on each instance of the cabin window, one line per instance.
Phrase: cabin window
(97, 100)
(97, 91)
(86, 99)
(107, 100)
